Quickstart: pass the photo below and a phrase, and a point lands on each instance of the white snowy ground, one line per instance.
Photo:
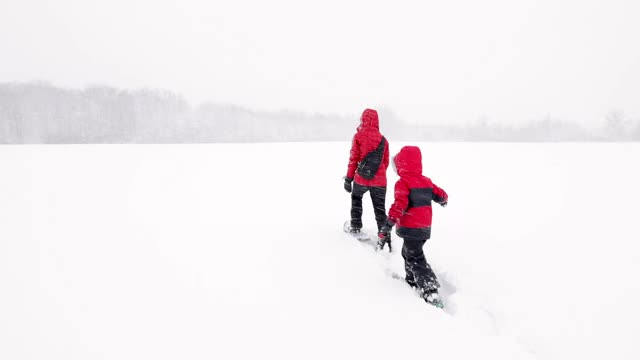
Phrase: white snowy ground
(237, 251)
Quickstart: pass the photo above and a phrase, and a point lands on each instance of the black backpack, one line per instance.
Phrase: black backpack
(368, 167)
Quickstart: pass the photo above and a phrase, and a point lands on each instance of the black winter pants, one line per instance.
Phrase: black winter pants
(419, 272)
(378, 194)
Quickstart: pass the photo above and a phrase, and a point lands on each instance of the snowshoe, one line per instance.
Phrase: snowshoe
(359, 234)
(433, 298)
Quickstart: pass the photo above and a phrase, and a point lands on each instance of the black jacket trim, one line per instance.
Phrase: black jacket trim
(416, 233)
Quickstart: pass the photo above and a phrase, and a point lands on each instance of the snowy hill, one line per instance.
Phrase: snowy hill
(237, 251)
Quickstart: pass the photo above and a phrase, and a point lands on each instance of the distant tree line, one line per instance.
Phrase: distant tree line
(41, 113)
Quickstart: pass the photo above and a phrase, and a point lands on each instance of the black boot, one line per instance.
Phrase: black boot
(410, 280)
(382, 241)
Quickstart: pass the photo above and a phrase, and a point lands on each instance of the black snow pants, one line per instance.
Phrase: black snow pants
(378, 194)
(419, 272)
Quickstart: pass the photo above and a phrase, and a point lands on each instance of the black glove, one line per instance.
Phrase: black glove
(347, 184)
(444, 204)
(386, 227)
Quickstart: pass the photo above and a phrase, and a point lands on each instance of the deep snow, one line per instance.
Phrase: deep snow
(237, 251)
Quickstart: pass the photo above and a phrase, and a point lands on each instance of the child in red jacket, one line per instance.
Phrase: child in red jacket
(365, 141)
(412, 212)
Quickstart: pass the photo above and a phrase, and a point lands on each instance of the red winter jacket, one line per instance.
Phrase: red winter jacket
(413, 193)
(364, 141)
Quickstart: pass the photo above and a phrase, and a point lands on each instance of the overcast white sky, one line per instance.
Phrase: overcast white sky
(429, 61)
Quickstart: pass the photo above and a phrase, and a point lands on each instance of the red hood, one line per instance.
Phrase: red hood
(369, 119)
(408, 160)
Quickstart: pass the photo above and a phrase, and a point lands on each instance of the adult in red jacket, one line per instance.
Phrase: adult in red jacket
(366, 140)
(412, 212)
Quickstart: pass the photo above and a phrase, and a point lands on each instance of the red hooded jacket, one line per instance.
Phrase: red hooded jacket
(413, 192)
(364, 141)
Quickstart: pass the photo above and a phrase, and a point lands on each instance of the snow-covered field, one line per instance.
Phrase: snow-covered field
(237, 251)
